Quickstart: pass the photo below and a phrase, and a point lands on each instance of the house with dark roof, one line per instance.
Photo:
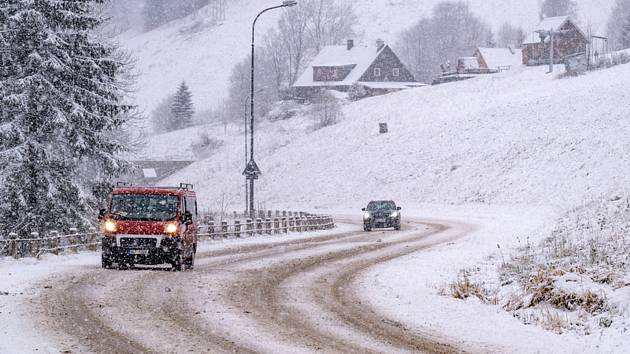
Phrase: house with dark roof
(376, 69)
(568, 40)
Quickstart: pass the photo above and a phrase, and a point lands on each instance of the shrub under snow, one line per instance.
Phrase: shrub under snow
(576, 279)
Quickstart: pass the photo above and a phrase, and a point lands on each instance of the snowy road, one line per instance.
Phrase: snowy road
(292, 296)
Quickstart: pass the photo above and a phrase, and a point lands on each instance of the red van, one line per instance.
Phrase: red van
(150, 225)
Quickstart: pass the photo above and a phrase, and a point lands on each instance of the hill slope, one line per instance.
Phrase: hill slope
(520, 137)
(203, 54)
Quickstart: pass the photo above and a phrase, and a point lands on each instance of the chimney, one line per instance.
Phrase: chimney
(379, 44)
(350, 44)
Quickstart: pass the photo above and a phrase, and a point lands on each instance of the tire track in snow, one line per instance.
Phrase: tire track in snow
(259, 297)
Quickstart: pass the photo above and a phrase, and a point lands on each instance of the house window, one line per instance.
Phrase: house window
(377, 72)
(327, 74)
(396, 72)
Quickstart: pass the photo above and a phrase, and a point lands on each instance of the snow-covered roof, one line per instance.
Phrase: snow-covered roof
(549, 23)
(498, 57)
(339, 55)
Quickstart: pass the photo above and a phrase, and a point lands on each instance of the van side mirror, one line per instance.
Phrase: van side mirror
(187, 218)
(398, 208)
(362, 209)
(101, 214)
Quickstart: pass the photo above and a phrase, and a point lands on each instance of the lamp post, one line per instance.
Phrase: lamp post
(252, 171)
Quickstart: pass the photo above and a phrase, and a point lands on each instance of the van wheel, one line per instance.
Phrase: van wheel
(177, 261)
(106, 262)
(190, 262)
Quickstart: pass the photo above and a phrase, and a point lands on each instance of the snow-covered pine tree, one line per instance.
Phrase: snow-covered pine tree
(61, 106)
(182, 108)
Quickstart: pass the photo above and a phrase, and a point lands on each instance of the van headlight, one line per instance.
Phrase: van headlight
(366, 215)
(110, 226)
(394, 214)
(170, 228)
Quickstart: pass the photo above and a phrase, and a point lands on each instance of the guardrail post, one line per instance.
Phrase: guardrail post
(54, 242)
(268, 226)
(211, 229)
(250, 228)
(276, 226)
(298, 224)
(224, 229)
(13, 246)
(285, 227)
(237, 228)
(259, 226)
(73, 240)
(35, 243)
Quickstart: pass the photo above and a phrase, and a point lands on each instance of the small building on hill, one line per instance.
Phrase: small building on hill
(376, 70)
(498, 59)
(568, 40)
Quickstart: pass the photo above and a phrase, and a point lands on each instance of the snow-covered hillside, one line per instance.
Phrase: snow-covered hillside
(196, 51)
(203, 54)
(520, 137)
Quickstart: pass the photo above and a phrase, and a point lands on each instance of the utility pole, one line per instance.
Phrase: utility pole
(550, 51)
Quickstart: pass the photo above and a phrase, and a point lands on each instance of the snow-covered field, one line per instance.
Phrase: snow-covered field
(519, 137)
(203, 54)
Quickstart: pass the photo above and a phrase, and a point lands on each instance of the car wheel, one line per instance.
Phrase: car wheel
(367, 228)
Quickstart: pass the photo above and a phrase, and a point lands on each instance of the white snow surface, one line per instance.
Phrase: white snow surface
(407, 289)
(204, 54)
(518, 137)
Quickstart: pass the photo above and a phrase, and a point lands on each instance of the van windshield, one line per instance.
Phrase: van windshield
(144, 207)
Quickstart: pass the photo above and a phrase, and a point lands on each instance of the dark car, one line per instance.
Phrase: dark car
(381, 214)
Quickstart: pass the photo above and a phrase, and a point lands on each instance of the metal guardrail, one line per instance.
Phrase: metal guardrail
(76, 241)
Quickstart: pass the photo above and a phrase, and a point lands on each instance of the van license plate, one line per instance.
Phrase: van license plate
(139, 252)
(380, 220)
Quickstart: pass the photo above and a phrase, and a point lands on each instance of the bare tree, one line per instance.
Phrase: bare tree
(161, 116)
(552, 8)
(302, 32)
(510, 36)
(325, 109)
(329, 22)
(618, 28)
(453, 31)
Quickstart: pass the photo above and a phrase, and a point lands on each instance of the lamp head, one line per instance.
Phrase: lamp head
(289, 3)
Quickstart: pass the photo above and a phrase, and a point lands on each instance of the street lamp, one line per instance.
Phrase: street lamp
(252, 171)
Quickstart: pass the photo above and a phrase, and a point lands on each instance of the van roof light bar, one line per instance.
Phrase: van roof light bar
(186, 186)
(123, 184)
